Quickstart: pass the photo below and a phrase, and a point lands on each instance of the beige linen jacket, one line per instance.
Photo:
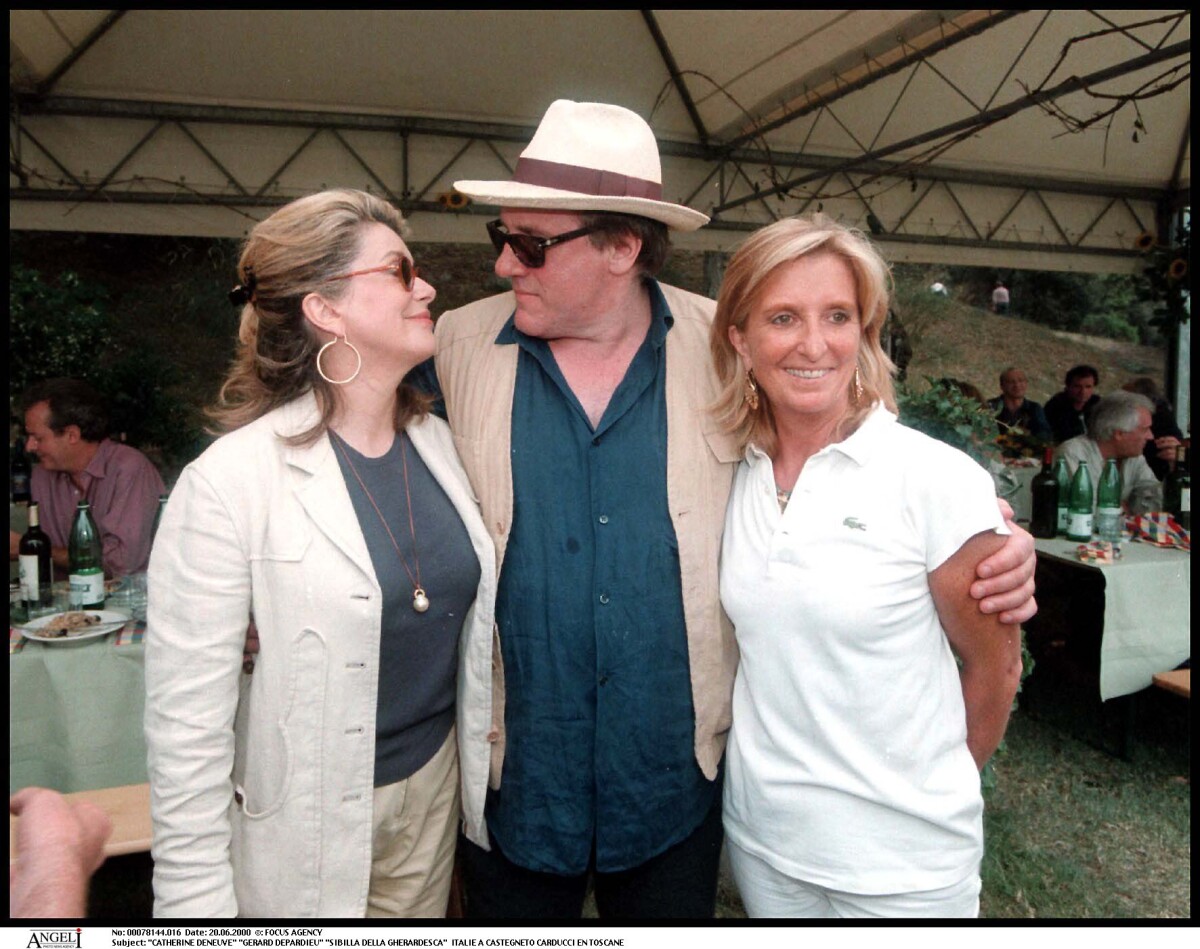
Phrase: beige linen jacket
(261, 785)
(478, 379)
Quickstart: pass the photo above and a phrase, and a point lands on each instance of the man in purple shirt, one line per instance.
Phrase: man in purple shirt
(66, 425)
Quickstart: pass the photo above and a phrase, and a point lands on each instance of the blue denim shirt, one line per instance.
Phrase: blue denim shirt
(599, 762)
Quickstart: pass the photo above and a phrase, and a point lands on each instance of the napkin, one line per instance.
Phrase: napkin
(1098, 551)
(131, 633)
(1159, 528)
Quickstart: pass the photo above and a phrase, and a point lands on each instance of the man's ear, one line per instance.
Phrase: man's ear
(623, 253)
(72, 434)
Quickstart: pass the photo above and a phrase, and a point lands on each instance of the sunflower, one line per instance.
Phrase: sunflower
(1144, 242)
(1177, 269)
(453, 200)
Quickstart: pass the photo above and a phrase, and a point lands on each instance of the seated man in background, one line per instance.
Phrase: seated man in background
(1161, 451)
(1119, 428)
(66, 425)
(1067, 410)
(1014, 410)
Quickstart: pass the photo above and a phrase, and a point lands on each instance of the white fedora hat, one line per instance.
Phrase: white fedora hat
(588, 156)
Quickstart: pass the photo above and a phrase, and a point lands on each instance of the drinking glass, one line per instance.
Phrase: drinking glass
(138, 595)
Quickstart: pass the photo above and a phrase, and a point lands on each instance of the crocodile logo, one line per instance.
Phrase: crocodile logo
(854, 524)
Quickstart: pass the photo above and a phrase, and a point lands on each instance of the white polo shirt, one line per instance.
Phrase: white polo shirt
(848, 764)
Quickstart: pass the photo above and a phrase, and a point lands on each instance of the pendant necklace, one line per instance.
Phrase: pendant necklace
(420, 602)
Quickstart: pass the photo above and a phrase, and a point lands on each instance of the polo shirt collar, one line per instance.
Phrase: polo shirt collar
(859, 447)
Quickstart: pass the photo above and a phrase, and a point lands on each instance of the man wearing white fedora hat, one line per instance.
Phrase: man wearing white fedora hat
(578, 404)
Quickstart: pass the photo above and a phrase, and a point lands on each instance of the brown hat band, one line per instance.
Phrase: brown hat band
(552, 174)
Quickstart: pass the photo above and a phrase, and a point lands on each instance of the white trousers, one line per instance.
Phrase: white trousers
(768, 893)
(414, 829)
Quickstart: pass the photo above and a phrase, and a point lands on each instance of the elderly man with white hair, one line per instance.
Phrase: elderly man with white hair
(1119, 428)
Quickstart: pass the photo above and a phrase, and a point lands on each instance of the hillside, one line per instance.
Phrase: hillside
(974, 345)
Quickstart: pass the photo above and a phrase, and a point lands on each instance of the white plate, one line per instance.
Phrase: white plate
(110, 621)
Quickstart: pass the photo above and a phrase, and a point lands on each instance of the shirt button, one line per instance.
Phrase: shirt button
(603, 518)
(493, 735)
(604, 598)
(604, 680)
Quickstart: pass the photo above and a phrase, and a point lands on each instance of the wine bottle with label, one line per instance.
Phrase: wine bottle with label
(36, 568)
(1079, 505)
(85, 553)
(1044, 512)
(1109, 516)
(1177, 490)
(19, 473)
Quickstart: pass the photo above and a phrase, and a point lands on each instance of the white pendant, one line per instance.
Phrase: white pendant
(420, 600)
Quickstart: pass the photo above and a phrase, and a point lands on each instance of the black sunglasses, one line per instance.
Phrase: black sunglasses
(406, 270)
(529, 250)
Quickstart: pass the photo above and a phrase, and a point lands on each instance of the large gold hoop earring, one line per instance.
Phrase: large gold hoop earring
(751, 391)
(357, 355)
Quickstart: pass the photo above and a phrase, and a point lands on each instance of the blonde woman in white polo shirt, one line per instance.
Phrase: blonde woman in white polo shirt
(852, 785)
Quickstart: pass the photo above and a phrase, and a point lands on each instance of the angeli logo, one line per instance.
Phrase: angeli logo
(54, 938)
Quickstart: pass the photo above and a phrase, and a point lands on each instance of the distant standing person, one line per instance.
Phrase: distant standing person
(1014, 410)
(1160, 452)
(1067, 410)
(1000, 298)
(66, 424)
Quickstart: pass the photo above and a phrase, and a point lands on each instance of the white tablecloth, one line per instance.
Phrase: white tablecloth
(1147, 612)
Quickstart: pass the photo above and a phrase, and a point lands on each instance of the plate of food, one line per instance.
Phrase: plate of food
(73, 626)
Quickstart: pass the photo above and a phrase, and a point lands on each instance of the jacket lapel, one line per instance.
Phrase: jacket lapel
(316, 479)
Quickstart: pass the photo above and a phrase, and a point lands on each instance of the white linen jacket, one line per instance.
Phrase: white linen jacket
(261, 785)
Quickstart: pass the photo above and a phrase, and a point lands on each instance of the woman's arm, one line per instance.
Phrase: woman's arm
(990, 652)
(199, 604)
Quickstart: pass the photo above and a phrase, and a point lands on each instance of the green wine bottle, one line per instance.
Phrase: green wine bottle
(1177, 490)
(1063, 474)
(1109, 518)
(1043, 521)
(85, 559)
(1079, 504)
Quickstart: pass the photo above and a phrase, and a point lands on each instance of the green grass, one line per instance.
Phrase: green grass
(1072, 832)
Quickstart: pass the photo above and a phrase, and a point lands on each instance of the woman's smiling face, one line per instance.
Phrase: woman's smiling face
(801, 339)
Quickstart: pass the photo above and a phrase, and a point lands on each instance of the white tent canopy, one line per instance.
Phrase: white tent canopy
(1035, 139)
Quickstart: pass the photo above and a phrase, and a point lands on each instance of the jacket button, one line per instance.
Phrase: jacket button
(493, 735)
